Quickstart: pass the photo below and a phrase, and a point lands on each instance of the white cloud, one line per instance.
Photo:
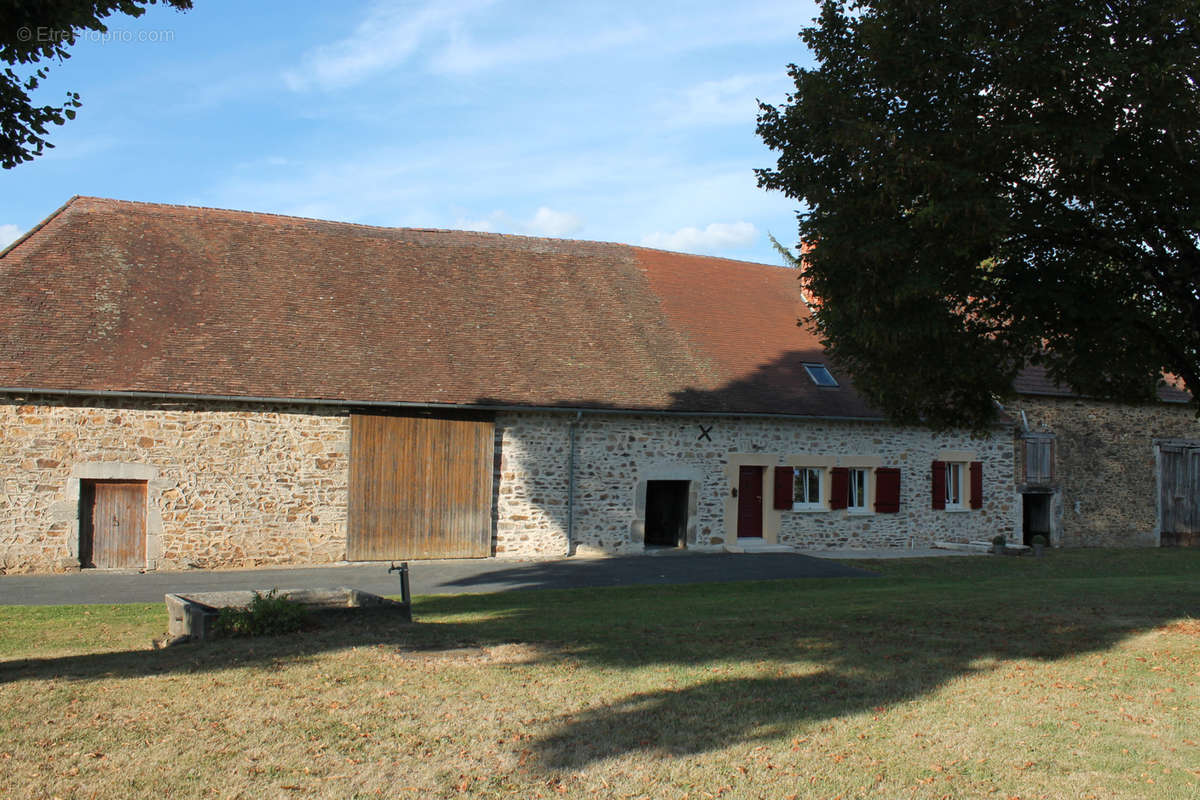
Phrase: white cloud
(462, 55)
(8, 234)
(492, 223)
(729, 100)
(544, 222)
(715, 236)
(387, 37)
(438, 33)
(548, 222)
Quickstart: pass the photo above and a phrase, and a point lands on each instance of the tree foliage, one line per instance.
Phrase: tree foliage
(993, 183)
(31, 33)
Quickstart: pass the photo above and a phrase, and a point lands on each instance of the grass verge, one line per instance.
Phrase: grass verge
(1073, 676)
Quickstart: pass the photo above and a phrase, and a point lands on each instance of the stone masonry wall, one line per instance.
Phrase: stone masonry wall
(228, 485)
(1105, 465)
(244, 485)
(617, 454)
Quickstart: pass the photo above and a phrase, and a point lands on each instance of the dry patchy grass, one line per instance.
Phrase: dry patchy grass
(954, 678)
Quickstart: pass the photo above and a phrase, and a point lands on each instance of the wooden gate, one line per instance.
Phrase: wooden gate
(113, 526)
(1179, 499)
(419, 488)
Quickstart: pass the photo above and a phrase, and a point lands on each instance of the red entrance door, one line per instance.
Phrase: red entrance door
(750, 502)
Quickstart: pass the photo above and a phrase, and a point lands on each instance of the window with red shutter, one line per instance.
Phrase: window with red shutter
(976, 484)
(839, 487)
(783, 487)
(887, 490)
(939, 485)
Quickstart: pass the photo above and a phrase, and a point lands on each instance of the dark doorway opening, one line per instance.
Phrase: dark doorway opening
(1035, 516)
(666, 513)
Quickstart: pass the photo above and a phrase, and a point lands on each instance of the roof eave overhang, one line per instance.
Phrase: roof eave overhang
(26, 391)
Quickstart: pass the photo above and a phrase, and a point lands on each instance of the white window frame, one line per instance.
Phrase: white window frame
(956, 479)
(810, 505)
(854, 493)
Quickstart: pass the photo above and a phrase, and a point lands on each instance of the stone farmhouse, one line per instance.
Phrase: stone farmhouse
(188, 387)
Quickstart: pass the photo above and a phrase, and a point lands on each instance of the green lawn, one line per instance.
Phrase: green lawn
(1072, 676)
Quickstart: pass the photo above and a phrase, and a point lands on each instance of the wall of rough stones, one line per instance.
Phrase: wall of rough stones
(617, 454)
(247, 485)
(228, 485)
(1105, 465)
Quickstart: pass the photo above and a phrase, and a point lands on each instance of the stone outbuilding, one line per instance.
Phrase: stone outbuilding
(191, 387)
(1101, 474)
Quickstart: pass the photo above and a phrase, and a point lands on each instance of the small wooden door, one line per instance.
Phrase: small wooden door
(113, 525)
(750, 502)
(1179, 499)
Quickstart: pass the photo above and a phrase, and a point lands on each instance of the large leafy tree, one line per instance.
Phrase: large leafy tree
(33, 32)
(996, 182)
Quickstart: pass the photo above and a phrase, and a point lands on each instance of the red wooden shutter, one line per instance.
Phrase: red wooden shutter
(976, 484)
(839, 488)
(887, 490)
(783, 487)
(939, 484)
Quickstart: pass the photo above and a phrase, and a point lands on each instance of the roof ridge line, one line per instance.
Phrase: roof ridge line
(395, 228)
(43, 223)
(368, 226)
(710, 258)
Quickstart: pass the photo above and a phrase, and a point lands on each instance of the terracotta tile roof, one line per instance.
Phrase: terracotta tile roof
(109, 295)
(1035, 380)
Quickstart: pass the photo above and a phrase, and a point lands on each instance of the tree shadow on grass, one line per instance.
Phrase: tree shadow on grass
(831, 672)
(746, 661)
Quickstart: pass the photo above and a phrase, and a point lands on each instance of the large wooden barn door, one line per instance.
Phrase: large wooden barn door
(419, 488)
(113, 525)
(1179, 501)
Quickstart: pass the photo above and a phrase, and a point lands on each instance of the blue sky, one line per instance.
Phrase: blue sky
(627, 122)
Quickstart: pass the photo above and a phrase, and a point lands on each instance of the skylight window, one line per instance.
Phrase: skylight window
(820, 375)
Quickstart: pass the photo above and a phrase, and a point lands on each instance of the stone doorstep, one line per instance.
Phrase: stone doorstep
(978, 546)
(971, 547)
(756, 546)
(190, 617)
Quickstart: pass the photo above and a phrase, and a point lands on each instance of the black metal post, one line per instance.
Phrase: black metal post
(405, 594)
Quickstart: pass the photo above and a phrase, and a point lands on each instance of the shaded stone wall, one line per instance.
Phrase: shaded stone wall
(228, 485)
(1105, 467)
(616, 455)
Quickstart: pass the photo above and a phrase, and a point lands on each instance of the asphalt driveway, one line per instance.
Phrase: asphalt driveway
(427, 577)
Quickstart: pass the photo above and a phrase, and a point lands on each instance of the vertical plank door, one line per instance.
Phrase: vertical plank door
(118, 524)
(750, 502)
(1179, 503)
(419, 488)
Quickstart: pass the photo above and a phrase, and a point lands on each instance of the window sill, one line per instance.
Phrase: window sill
(956, 510)
(809, 509)
(860, 512)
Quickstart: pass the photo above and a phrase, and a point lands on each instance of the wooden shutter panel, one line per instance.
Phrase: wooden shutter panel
(976, 484)
(887, 490)
(839, 488)
(784, 477)
(939, 484)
